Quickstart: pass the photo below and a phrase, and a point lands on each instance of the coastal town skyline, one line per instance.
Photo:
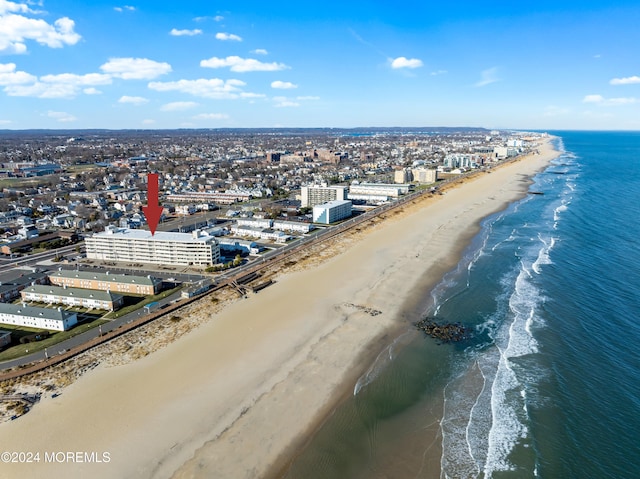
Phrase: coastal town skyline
(117, 66)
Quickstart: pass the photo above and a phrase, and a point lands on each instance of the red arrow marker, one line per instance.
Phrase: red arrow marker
(153, 210)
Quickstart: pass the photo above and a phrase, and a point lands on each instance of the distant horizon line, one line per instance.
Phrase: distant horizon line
(281, 128)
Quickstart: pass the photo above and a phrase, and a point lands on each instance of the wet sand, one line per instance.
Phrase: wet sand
(235, 397)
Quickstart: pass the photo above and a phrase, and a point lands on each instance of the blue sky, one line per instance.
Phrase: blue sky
(212, 64)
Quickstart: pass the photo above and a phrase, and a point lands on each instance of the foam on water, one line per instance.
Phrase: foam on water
(543, 255)
(483, 424)
(508, 390)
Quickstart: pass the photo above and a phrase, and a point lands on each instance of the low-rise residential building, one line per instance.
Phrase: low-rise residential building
(234, 245)
(86, 298)
(262, 233)
(210, 197)
(140, 246)
(34, 317)
(198, 288)
(14, 281)
(293, 226)
(255, 222)
(120, 283)
(331, 212)
(379, 189)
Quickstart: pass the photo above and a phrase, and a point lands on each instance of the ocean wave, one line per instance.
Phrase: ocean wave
(543, 254)
(558, 210)
(510, 418)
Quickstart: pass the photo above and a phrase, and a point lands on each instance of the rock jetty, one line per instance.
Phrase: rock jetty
(444, 332)
(364, 309)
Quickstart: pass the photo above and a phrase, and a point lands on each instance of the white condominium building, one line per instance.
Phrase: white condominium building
(331, 212)
(379, 189)
(140, 246)
(316, 195)
(43, 318)
(86, 298)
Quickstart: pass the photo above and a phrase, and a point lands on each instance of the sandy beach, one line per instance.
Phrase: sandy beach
(237, 395)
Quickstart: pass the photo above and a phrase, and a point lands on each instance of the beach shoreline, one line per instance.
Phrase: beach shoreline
(243, 392)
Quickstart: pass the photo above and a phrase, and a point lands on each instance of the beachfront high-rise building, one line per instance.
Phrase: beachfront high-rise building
(403, 176)
(316, 195)
(332, 211)
(425, 175)
(140, 246)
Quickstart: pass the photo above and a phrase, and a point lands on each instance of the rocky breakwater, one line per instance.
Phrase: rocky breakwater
(443, 332)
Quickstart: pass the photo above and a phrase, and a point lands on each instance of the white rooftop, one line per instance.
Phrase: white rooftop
(334, 203)
(159, 236)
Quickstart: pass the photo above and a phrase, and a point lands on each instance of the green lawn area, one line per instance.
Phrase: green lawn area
(89, 321)
(19, 182)
(18, 350)
(135, 302)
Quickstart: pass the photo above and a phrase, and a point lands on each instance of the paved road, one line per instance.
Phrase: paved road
(8, 263)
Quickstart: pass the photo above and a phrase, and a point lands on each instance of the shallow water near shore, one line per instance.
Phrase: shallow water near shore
(549, 384)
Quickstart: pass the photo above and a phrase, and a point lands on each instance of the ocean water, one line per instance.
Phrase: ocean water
(549, 384)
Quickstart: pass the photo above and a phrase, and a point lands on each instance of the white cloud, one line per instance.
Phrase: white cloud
(181, 33)
(283, 85)
(43, 90)
(488, 76)
(438, 72)
(283, 102)
(260, 51)
(228, 36)
(5, 122)
(238, 64)
(602, 101)
(403, 62)
(16, 29)
(61, 116)
(64, 85)
(148, 122)
(135, 68)
(179, 106)
(206, 88)
(126, 7)
(625, 81)
(593, 99)
(621, 101)
(134, 100)
(78, 80)
(91, 91)
(211, 116)
(7, 7)
(9, 75)
(217, 18)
